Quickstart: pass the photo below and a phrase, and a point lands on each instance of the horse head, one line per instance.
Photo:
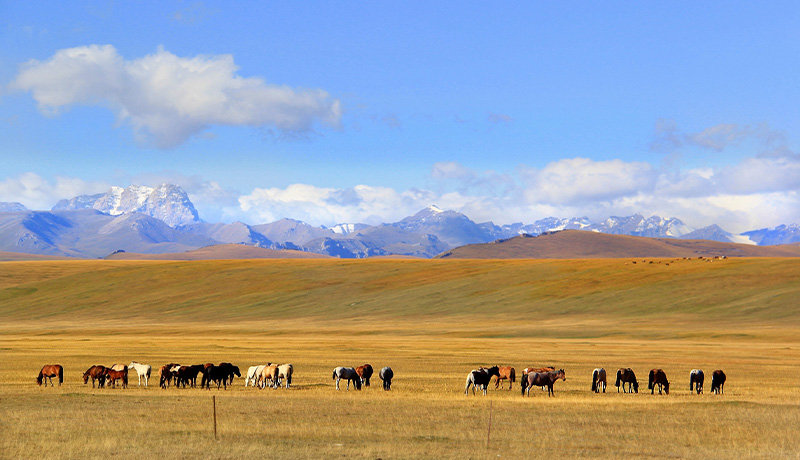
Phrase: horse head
(494, 370)
(39, 379)
(561, 374)
(666, 387)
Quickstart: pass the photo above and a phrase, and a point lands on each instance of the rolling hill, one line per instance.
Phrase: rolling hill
(577, 244)
(220, 252)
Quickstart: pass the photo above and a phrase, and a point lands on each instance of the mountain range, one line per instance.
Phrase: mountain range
(162, 219)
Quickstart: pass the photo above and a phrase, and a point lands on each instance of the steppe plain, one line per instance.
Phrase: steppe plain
(432, 321)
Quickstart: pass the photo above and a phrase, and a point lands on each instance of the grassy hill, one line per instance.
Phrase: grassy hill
(576, 244)
(220, 252)
(467, 297)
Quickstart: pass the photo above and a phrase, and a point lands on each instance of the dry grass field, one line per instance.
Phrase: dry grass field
(432, 321)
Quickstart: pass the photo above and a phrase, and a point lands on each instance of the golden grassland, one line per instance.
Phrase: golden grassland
(432, 322)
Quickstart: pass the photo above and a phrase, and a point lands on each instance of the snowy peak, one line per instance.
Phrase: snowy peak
(13, 206)
(346, 229)
(167, 202)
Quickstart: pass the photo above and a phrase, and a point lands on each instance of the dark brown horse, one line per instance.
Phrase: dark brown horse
(112, 376)
(48, 372)
(165, 374)
(365, 373)
(717, 381)
(540, 379)
(188, 375)
(95, 373)
(696, 378)
(624, 376)
(506, 373)
(657, 377)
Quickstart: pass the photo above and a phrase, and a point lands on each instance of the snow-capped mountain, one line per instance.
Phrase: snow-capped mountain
(782, 234)
(13, 206)
(153, 219)
(637, 225)
(167, 202)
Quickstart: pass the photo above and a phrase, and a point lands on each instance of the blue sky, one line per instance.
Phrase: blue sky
(331, 112)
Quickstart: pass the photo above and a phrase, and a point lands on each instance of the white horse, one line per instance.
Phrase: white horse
(142, 370)
(252, 374)
(285, 371)
(349, 374)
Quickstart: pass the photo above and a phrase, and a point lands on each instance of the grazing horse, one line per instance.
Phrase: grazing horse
(165, 374)
(386, 374)
(506, 373)
(253, 373)
(112, 376)
(480, 378)
(268, 376)
(187, 374)
(657, 377)
(599, 380)
(696, 378)
(231, 370)
(48, 372)
(142, 370)
(285, 372)
(365, 373)
(96, 373)
(624, 376)
(538, 379)
(349, 374)
(717, 381)
(216, 374)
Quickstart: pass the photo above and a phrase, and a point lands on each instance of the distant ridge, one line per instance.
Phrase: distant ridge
(577, 244)
(220, 252)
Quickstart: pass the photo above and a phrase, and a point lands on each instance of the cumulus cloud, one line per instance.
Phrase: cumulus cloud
(577, 181)
(38, 193)
(166, 99)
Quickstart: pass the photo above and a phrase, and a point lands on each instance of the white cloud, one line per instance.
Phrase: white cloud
(37, 193)
(166, 99)
(580, 181)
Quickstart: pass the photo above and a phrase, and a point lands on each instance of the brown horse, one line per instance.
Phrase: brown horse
(231, 371)
(112, 376)
(624, 376)
(95, 373)
(48, 372)
(538, 379)
(658, 377)
(165, 374)
(365, 373)
(717, 381)
(599, 380)
(540, 370)
(215, 374)
(506, 373)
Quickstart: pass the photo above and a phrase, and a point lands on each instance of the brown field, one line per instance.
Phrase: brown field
(432, 322)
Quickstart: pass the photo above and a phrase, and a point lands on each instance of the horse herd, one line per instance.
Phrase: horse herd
(261, 376)
(274, 375)
(545, 377)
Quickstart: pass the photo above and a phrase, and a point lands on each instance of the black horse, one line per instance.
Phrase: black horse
(480, 378)
(696, 378)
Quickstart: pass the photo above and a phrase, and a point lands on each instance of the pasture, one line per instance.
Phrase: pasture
(432, 322)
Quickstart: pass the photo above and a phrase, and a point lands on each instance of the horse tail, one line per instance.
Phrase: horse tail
(334, 374)
(651, 379)
(594, 380)
(60, 375)
(513, 376)
(619, 377)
